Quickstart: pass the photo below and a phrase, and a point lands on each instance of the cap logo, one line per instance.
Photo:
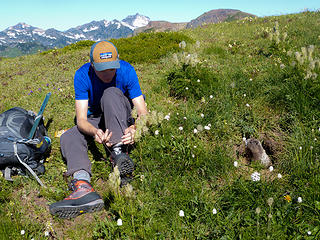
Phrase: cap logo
(106, 55)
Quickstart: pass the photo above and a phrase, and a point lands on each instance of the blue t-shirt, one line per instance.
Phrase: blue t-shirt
(88, 86)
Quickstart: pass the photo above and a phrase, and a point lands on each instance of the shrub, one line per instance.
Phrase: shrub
(190, 81)
(149, 47)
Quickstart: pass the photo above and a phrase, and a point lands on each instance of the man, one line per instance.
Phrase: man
(103, 89)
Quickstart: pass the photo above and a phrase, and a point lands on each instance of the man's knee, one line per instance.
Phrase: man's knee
(112, 92)
(68, 136)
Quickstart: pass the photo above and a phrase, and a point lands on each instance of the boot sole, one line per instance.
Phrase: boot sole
(74, 211)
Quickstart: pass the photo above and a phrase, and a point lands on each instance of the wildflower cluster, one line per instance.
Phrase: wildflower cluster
(145, 121)
(306, 61)
(185, 57)
(274, 34)
(191, 81)
(114, 181)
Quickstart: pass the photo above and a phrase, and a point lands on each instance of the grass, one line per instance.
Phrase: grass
(250, 86)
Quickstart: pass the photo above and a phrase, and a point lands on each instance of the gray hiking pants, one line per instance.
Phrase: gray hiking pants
(116, 117)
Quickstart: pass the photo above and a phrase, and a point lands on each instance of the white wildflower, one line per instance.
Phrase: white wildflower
(177, 114)
(211, 96)
(202, 115)
(185, 118)
(271, 168)
(206, 127)
(199, 127)
(299, 200)
(309, 232)
(46, 233)
(244, 95)
(187, 88)
(214, 211)
(180, 128)
(250, 79)
(156, 132)
(258, 210)
(181, 213)
(198, 80)
(255, 176)
(119, 222)
(247, 105)
(244, 139)
(167, 117)
(279, 175)
(235, 163)
(195, 130)
(142, 178)
(300, 148)
(194, 146)
(182, 44)
(209, 124)
(23, 232)
(193, 155)
(270, 201)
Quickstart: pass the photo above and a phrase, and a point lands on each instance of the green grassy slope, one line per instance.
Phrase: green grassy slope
(242, 79)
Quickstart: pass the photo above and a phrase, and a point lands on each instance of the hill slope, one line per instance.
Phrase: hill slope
(217, 16)
(194, 179)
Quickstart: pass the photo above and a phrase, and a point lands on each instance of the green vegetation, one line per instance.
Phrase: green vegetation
(21, 49)
(251, 78)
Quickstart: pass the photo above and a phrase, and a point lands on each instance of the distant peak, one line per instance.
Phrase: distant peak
(23, 25)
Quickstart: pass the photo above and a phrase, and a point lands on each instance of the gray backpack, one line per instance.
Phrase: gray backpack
(18, 151)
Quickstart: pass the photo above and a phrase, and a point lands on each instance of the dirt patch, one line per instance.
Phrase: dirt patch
(273, 144)
(38, 212)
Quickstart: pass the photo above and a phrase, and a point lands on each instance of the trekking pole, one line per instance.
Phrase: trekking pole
(39, 116)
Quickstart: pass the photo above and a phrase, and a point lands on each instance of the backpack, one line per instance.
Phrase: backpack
(19, 152)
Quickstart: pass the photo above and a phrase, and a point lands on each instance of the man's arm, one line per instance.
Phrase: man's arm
(86, 127)
(140, 105)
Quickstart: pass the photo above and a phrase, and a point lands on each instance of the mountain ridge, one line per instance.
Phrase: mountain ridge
(17, 37)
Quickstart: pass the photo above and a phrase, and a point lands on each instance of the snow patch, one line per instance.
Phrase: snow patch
(11, 34)
(24, 25)
(127, 25)
(90, 29)
(48, 36)
(140, 21)
(38, 32)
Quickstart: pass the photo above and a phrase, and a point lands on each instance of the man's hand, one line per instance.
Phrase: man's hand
(103, 137)
(128, 137)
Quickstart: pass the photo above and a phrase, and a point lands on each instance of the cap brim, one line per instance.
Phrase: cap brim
(106, 65)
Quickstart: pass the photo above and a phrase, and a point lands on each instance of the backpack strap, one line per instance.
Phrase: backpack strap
(15, 148)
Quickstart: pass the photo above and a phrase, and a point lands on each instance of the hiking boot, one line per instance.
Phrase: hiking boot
(124, 163)
(83, 199)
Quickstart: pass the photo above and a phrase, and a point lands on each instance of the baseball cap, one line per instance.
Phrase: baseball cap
(104, 55)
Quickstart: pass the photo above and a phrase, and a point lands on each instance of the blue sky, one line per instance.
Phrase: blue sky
(64, 14)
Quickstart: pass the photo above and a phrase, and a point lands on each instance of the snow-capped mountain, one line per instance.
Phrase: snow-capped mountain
(136, 21)
(95, 31)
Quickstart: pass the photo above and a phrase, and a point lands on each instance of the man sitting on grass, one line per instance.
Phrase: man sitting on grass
(105, 91)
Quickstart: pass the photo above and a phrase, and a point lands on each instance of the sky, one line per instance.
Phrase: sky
(65, 14)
